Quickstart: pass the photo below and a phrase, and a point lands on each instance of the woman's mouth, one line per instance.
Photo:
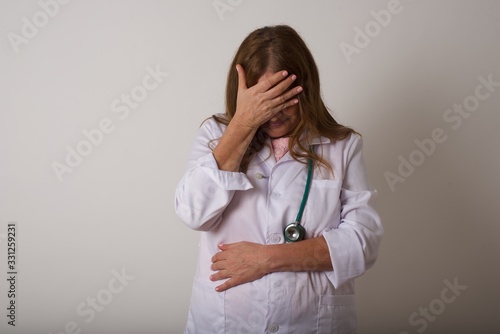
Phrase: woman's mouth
(275, 124)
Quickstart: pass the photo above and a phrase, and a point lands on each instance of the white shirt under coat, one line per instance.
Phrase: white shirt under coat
(230, 207)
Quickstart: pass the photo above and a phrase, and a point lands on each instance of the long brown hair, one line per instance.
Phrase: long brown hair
(278, 48)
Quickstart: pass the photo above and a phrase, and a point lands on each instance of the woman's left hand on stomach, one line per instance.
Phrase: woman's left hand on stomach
(239, 263)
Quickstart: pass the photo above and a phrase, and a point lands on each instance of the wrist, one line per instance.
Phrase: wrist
(273, 257)
(306, 255)
(243, 125)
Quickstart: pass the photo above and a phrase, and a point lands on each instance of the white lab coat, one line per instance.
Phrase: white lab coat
(230, 207)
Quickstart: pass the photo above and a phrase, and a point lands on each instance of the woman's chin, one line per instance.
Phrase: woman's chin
(276, 134)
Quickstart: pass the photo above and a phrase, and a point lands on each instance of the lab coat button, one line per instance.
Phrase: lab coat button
(275, 238)
(276, 195)
(273, 328)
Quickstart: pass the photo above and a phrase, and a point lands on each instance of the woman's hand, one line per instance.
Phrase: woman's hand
(259, 103)
(254, 106)
(240, 263)
(244, 262)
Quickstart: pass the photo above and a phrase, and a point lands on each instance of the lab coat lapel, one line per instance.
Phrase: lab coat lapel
(294, 169)
(266, 155)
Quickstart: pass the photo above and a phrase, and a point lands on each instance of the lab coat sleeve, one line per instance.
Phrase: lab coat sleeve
(354, 245)
(205, 191)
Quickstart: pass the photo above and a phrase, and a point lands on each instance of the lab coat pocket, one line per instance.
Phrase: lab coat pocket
(206, 312)
(337, 314)
(323, 204)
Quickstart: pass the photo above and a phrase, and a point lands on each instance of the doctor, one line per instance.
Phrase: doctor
(248, 179)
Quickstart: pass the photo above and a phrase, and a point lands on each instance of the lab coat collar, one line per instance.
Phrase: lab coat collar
(267, 156)
(316, 140)
(320, 140)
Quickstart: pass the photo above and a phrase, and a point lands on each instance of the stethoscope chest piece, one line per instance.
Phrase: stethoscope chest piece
(294, 232)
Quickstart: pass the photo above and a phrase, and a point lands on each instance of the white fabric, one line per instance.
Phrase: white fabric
(230, 207)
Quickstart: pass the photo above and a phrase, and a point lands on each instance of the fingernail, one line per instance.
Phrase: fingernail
(299, 89)
(294, 77)
(285, 73)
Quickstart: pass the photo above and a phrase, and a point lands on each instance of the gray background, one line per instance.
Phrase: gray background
(114, 211)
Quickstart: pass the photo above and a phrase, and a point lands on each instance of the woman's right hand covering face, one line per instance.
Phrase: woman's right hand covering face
(259, 103)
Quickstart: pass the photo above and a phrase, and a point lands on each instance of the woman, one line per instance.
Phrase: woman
(254, 275)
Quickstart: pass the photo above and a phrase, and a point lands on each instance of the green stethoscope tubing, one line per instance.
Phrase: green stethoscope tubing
(295, 232)
(306, 192)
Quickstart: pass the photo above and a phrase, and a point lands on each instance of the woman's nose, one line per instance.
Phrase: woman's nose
(276, 116)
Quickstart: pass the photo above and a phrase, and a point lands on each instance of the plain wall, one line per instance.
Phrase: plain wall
(113, 215)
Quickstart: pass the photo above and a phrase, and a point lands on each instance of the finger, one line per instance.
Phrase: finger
(271, 81)
(284, 105)
(217, 266)
(225, 247)
(242, 78)
(222, 274)
(226, 285)
(280, 88)
(285, 99)
(218, 257)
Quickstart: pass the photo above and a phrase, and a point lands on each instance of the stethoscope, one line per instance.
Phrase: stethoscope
(294, 232)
